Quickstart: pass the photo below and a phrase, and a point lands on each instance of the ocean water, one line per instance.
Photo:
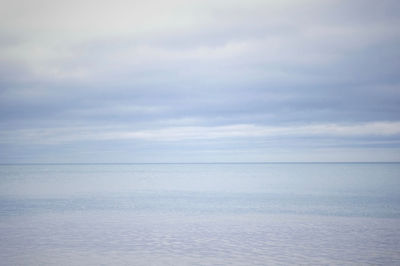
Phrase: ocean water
(200, 214)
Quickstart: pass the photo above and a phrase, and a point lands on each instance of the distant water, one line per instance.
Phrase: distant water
(200, 214)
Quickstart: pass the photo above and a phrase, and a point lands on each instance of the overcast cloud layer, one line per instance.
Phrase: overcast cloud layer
(199, 81)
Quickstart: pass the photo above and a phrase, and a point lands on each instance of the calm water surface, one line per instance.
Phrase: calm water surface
(200, 214)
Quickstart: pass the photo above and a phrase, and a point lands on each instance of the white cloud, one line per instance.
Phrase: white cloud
(182, 133)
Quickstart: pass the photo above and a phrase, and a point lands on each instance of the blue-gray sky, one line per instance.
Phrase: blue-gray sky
(199, 81)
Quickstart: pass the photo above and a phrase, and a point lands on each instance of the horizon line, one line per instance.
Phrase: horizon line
(138, 163)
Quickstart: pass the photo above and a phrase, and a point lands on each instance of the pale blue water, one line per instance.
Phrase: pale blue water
(200, 214)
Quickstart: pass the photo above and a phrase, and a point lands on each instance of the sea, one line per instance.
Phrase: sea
(200, 214)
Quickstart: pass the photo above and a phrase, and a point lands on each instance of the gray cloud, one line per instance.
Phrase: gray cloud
(156, 65)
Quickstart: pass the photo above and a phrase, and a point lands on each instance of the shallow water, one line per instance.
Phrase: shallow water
(200, 214)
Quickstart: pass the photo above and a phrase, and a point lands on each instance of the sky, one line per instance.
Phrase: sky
(199, 81)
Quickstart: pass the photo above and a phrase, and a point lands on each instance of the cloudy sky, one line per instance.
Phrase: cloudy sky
(199, 81)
